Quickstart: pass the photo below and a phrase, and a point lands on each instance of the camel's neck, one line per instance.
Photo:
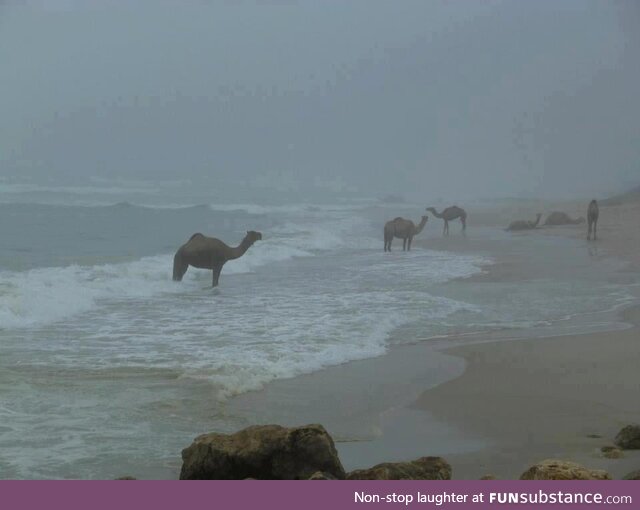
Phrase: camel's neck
(435, 213)
(534, 224)
(420, 226)
(240, 250)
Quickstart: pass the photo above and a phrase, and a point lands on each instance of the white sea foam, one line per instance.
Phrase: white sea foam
(291, 209)
(45, 295)
(291, 321)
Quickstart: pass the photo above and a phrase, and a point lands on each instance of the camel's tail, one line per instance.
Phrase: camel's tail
(179, 266)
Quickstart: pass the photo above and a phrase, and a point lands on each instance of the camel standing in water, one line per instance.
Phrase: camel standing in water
(449, 214)
(524, 225)
(402, 229)
(592, 218)
(209, 253)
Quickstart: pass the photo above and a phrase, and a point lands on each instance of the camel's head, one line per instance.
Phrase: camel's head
(253, 236)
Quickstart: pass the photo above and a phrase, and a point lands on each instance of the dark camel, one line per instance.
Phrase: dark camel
(209, 253)
(592, 218)
(524, 225)
(562, 218)
(402, 229)
(449, 214)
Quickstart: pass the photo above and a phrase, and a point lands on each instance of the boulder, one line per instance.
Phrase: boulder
(424, 468)
(553, 469)
(611, 452)
(634, 475)
(488, 477)
(321, 475)
(264, 452)
(629, 437)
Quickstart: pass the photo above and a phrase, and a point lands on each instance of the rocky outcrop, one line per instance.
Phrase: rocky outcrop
(552, 469)
(634, 475)
(321, 475)
(611, 452)
(264, 452)
(629, 437)
(424, 468)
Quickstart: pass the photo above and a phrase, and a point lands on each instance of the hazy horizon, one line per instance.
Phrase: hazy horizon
(418, 99)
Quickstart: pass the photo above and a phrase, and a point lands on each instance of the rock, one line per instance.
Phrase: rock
(629, 437)
(321, 475)
(553, 469)
(424, 468)
(264, 452)
(611, 452)
(126, 477)
(488, 477)
(634, 475)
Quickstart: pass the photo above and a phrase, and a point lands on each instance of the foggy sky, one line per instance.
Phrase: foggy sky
(434, 98)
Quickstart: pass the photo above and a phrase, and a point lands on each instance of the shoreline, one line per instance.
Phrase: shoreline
(539, 398)
(459, 396)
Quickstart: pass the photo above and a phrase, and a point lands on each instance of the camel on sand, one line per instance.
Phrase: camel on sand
(592, 218)
(524, 225)
(449, 214)
(562, 218)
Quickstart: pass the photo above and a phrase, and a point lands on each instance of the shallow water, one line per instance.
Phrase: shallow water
(108, 367)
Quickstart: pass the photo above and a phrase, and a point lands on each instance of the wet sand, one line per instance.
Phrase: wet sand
(511, 398)
(560, 397)
(543, 398)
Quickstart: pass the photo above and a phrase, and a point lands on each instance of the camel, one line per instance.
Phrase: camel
(524, 225)
(402, 229)
(592, 217)
(209, 253)
(449, 214)
(561, 218)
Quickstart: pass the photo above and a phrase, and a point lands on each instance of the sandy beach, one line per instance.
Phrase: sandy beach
(543, 398)
(511, 397)
(559, 397)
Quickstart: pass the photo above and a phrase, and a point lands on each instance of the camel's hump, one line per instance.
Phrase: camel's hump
(197, 234)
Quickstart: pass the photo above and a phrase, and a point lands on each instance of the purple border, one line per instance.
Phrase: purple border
(307, 495)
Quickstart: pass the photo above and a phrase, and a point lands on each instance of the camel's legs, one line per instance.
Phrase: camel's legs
(179, 267)
(216, 274)
(404, 244)
(409, 244)
(445, 229)
(595, 226)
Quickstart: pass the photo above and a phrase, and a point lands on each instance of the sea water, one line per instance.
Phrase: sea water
(108, 367)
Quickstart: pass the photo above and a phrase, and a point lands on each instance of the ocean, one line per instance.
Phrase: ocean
(108, 367)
